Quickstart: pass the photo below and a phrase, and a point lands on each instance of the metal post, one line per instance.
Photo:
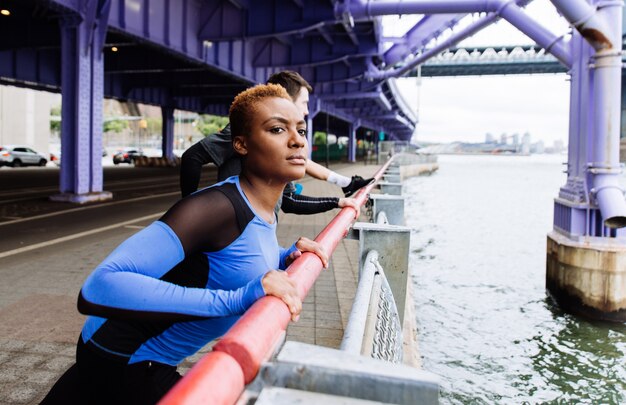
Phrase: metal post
(390, 188)
(391, 205)
(392, 244)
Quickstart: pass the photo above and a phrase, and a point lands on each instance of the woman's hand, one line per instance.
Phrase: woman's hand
(350, 202)
(307, 245)
(278, 284)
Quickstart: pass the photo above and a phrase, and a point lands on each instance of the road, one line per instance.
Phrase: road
(29, 220)
(47, 249)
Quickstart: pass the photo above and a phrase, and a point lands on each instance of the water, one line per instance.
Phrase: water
(486, 325)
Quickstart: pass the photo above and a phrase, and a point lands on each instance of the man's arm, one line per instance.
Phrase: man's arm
(348, 185)
(293, 203)
(216, 148)
(191, 167)
(316, 170)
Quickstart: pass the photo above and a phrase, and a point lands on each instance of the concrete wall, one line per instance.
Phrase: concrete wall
(25, 117)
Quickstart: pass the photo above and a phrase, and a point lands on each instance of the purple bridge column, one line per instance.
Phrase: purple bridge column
(586, 251)
(167, 143)
(314, 109)
(82, 94)
(352, 140)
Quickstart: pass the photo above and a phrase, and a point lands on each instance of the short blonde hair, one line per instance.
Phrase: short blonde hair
(243, 107)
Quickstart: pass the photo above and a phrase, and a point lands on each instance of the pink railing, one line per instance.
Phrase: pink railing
(219, 377)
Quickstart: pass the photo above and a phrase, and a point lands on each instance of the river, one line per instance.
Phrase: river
(486, 324)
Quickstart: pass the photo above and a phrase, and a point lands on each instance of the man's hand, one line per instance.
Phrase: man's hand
(307, 245)
(350, 202)
(278, 284)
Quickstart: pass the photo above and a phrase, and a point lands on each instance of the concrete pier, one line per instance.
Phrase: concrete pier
(588, 278)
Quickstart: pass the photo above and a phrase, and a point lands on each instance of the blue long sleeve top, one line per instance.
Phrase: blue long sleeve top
(182, 281)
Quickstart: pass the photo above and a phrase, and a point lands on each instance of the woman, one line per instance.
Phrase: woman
(184, 280)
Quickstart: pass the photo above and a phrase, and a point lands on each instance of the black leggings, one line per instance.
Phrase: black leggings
(95, 379)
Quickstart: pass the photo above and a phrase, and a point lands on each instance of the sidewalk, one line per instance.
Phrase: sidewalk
(39, 323)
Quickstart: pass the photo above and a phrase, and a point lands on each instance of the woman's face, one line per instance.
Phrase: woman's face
(276, 147)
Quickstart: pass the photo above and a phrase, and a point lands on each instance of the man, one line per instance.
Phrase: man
(217, 148)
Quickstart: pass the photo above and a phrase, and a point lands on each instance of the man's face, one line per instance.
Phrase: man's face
(302, 101)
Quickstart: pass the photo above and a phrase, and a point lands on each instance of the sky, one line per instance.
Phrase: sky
(467, 108)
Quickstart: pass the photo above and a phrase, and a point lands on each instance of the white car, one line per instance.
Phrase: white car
(19, 155)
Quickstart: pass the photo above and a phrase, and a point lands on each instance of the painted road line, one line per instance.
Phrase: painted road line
(76, 236)
(117, 190)
(52, 214)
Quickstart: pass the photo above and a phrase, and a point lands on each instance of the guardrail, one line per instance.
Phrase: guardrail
(374, 328)
(220, 376)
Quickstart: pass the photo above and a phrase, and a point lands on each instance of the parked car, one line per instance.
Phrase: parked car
(127, 155)
(19, 155)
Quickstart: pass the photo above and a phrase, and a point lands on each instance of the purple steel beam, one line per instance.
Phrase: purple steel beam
(507, 9)
(365, 9)
(592, 25)
(180, 26)
(421, 33)
(310, 51)
(602, 28)
(352, 96)
(375, 74)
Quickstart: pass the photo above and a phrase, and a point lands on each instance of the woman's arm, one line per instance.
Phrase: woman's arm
(126, 283)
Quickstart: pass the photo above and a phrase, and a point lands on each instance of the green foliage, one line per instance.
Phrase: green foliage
(116, 126)
(155, 125)
(210, 124)
(319, 138)
(55, 126)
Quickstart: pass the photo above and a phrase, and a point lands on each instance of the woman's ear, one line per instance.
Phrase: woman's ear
(239, 145)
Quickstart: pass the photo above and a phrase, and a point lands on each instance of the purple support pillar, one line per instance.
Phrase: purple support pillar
(352, 140)
(601, 27)
(82, 84)
(586, 251)
(314, 109)
(573, 204)
(167, 131)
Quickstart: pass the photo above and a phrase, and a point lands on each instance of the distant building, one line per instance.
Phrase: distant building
(490, 138)
(525, 148)
(25, 117)
(559, 146)
(515, 138)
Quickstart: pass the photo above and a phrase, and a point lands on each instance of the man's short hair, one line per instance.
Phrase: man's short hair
(290, 80)
(243, 108)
